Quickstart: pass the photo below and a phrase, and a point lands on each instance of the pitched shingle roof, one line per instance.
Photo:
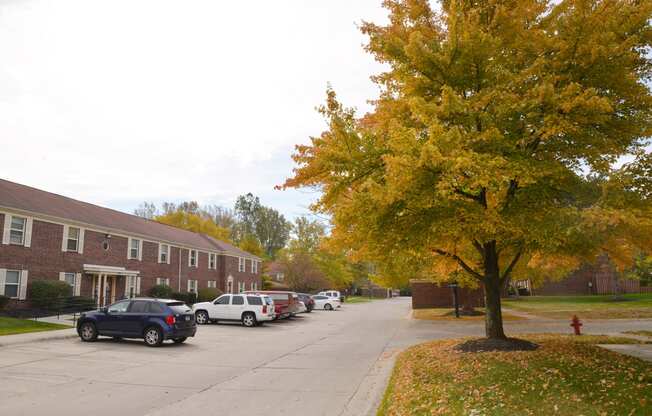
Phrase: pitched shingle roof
(25, 198)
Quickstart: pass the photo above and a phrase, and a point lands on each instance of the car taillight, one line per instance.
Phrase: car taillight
(170, 320)
(264, 308)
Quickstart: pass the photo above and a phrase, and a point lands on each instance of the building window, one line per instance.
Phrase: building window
(254, 266)
(73, 239)
(17, 230)
(163, 281)
(241, 264)
(212, 284)
(192, 286)
(241, 287)
(212, 261)
(134, 249)
(163, 253)
(254, 286)
(280, 277)
(69, 278)
(192, 259)
(12, 283)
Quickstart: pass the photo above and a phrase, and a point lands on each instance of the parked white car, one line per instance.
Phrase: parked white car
(332, 294)
(251, 310)
(326, 302)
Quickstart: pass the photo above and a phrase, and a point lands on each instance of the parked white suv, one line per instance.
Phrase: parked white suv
(251, 310)
(332, 294)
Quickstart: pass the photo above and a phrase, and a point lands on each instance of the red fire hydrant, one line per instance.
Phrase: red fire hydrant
(576, 324)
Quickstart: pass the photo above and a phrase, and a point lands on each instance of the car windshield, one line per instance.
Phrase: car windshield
(179, 307)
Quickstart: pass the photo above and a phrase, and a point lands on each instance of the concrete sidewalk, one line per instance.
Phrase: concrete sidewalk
(641, 351)
(32, 337)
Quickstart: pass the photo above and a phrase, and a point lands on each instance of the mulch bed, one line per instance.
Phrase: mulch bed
(486, 344)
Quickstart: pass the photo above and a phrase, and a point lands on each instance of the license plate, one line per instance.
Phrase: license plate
(187, 318)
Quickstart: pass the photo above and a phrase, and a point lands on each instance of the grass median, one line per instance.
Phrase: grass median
(12, 326)
(629, 306)
(564, 376)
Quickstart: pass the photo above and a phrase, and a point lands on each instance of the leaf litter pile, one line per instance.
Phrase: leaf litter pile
(565, 375)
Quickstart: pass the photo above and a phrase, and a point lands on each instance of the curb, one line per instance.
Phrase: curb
(29, 338)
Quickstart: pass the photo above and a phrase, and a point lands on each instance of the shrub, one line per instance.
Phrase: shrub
(208, 294)
(161, 291)
(80, 304)
(49, 294)
(188, 298)
(4, 300)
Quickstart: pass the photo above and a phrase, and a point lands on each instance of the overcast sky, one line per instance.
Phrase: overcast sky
(117, 102)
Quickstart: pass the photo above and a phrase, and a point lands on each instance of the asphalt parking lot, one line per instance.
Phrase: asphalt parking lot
(316, 364)
(324, 363)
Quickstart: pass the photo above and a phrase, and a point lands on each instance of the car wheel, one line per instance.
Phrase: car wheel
(180, 340)
(153, 337)
(201, 317)
(88, 332)
(328, 307)
(248, 319)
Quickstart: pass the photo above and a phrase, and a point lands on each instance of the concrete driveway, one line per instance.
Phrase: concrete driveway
(324, 363)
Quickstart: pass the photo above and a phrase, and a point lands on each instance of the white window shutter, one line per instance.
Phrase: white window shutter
(77, 291)
(138, 285)
(5, 232)
(169, 253)
(188, 283)
(81, 241)
(22, 294)
(189, 251)
(3, 279)
(62, 276)
(28, 232)
(64, 239)
(140, 250)
(128, 247)
(159, 251)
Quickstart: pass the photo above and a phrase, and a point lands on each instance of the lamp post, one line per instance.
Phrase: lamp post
(454, 286)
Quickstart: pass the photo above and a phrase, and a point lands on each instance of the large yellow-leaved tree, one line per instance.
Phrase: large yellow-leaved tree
(495, 146)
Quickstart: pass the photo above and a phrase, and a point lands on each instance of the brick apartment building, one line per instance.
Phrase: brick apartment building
(106, 254)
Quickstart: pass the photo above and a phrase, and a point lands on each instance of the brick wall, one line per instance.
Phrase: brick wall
(230, 268)
(432, 295)
(602, 275)
(45, 260)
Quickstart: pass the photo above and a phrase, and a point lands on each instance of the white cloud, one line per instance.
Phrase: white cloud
(123, 101)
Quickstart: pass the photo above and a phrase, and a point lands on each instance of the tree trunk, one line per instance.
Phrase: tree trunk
(492, 289)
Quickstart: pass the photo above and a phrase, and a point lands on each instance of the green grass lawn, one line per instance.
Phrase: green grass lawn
(447, 314)
(10, 326)
(357, 299)
(642, 332)
(565, 376)
(592, 307)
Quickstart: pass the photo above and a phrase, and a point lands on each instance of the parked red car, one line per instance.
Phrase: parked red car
(286, 304)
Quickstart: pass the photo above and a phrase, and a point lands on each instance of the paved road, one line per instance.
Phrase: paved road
(324, 363)
(333, 363)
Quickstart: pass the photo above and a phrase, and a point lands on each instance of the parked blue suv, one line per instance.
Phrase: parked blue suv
(154, 320)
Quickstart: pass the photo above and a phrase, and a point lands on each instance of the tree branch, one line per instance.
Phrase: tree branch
(478, 247)
(460, 262)
(509, 268)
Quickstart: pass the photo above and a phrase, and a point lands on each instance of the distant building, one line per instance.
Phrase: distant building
(600, 278)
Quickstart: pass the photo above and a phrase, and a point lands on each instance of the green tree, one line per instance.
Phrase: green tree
(492, 148)
(270, 227)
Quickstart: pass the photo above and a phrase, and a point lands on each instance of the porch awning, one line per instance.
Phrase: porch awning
(109, 270)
